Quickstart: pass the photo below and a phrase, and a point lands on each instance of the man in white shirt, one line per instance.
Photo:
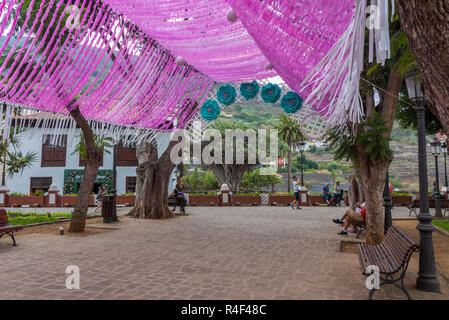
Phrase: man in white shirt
(296, 189)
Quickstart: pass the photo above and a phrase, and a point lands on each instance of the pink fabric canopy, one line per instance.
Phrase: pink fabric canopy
(116, 73)
(293, 35)
(124, 64)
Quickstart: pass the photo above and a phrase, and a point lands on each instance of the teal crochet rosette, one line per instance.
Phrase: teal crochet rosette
(249, 90)
(210, 110)
(226, 95)
(271, 93)
(291, 102)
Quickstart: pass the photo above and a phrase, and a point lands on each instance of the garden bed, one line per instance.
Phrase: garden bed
(32, 201)
(31, 218)
(252, 200)
(280, 200)
(401, 200)
(128, 200)
(203, 200)
(70, 201)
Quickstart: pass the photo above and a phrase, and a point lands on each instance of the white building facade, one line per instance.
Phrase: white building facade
(58, 164)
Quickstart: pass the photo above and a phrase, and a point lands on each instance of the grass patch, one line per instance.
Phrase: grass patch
(442, 224)
(24, 218)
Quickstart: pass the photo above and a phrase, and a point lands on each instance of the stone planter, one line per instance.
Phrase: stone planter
(316, 200)
(203, 200)
(70, 201)
(246, 200)
(402, 200)
(126, 200)
(32, 201)
(280, 200)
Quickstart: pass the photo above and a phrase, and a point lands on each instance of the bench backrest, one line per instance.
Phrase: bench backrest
(400, 246)
(4, 221)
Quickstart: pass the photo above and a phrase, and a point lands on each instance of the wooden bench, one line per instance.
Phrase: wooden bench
(391, 257)
(432, 204)
(6, 227)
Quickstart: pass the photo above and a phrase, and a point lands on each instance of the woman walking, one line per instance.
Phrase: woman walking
(102, 192)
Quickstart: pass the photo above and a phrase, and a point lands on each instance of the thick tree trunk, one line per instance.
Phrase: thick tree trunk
(145, 152)
(153, 178)
(231, 174)
(373, 180)
(373, 173)
(90, 173)
(356, 190)
(426, 24)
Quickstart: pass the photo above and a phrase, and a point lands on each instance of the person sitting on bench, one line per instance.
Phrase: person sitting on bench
(352, 218)
(338, 194)
(326, 194)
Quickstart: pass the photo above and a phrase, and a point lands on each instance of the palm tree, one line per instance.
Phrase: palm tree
(102, 143)
(12, 159)
(291, 134)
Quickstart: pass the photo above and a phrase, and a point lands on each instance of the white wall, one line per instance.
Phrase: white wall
(32, 141)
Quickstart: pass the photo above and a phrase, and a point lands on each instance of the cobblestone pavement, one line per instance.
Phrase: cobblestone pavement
(213, 253)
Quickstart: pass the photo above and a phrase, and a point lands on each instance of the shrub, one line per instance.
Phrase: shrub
(39, 193)
(17, 194)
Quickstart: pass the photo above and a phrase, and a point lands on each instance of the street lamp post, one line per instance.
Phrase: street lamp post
(4, 172)
(302, 147)
(427, 277)
(444, 150)
(435, 146)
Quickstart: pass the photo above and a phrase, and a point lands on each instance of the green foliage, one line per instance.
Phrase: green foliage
(333, 166)
(253, 180)
(308, 164)
(396, 182)
(442, 224)
(254, 194)
(39, 193)
(210, 182)
(198, 180)
(400, 194)
(289, 131)
(102, 143)
(313, 149)
(372, 137)
(10, 153)
(406, 117)
(342, 144)
(17, 194)
(25, 218)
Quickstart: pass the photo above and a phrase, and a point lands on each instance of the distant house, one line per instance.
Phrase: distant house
(58, 165)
